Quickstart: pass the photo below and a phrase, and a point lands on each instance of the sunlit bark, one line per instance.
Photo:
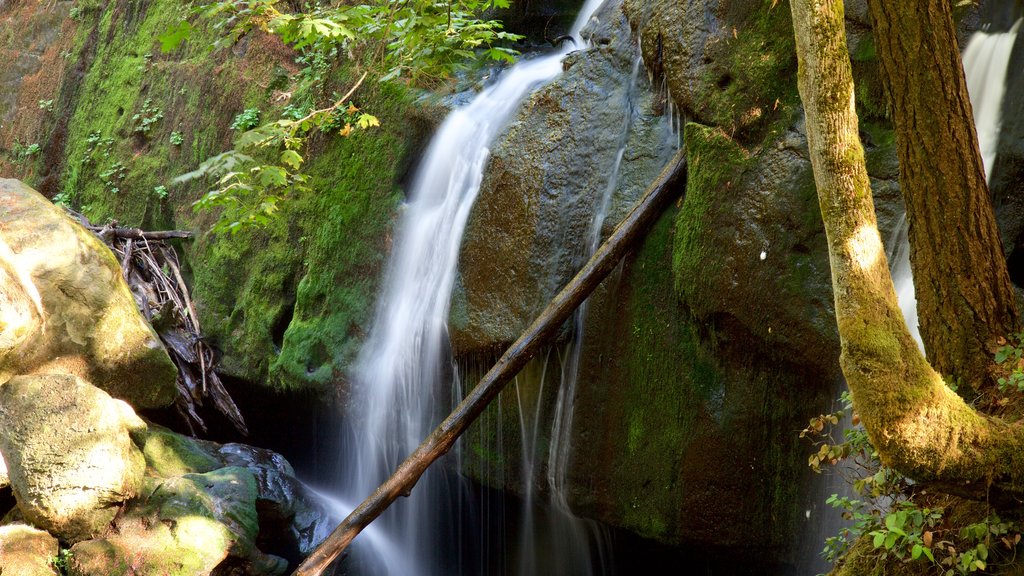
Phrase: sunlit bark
(917, 424)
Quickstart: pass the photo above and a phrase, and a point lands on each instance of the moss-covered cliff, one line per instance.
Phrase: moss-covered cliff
(115, 120)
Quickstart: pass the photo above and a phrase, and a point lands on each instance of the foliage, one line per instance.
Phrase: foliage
(420, 40)
(61, 562)
(246, 120)
(263, 168)
(1010, 358)
(886, 509)
(146, 118)
(23, 151)
(177, 138)
(46, 105)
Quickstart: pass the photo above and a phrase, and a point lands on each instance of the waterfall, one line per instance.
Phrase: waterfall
(402, 376)
(985, 63)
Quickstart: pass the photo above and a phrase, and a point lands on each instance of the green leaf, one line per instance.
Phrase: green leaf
(366, 121)
(879, 539)
(173, 37)
(272, 176)
(291, 158)
(916, 551)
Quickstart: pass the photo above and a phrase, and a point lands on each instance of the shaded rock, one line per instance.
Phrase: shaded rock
(1007, 181)
(26, 551)
(750, 259)
(76, 313)
(528, 232)
(69, 454)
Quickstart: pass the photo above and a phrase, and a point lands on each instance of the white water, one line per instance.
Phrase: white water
(403, 373)
(985, 65)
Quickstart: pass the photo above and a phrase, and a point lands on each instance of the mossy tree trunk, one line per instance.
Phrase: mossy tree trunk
(917, 424)
(964, 296)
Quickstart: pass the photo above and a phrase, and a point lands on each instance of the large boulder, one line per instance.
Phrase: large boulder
(27, 551)
(69, 452)
(528, 232)
(74, 311)
(207, 508)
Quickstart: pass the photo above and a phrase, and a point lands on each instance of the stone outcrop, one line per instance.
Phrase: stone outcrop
(69, 453)
(26, 551)
(75, 312)
(528, 232)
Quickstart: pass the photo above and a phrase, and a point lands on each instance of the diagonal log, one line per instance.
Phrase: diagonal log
(666, 187)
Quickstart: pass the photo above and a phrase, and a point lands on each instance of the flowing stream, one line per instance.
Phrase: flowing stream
(404, 373)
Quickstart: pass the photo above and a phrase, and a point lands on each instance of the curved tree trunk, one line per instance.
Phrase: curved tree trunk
(917, 424)
(964, 296)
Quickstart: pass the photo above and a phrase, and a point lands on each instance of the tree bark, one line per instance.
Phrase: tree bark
(964, 296)
(918, 425)
(543, 329)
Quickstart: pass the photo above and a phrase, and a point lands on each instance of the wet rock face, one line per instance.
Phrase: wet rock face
(528, 231)
(1007, 181)
(74, 312)
(69, 452)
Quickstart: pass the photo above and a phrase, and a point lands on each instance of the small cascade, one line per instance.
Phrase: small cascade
(985, 62)
(404, 371)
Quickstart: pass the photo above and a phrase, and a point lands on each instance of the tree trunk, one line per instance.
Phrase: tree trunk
(964, 296)
(505, 369)
(917, 424)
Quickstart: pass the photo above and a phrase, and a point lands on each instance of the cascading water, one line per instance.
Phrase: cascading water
(399, 391)
(985, 63)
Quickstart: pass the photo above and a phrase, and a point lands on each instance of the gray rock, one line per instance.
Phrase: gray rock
(527, 234)
(69, 453)
(75, 312)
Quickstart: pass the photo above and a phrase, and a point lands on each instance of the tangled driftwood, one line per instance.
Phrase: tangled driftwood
(153, 272)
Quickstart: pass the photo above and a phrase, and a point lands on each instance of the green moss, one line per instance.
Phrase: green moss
(287, 304)
(715, 165)
(752, 89)
(170, 454)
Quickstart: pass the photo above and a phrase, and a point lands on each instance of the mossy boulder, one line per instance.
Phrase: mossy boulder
(529, 230)
(26, 551)
(77, 313)
(749, 258)
(69, 452)
(190, 524)
(206, 509)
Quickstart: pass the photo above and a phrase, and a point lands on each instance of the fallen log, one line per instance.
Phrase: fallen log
(138, 234)
(669, 183)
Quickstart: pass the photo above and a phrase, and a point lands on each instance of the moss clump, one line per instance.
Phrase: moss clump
(169, 454)
(716, 163)
(750, 89)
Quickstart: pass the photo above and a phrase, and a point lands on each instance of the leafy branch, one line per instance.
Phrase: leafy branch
(264, 166)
